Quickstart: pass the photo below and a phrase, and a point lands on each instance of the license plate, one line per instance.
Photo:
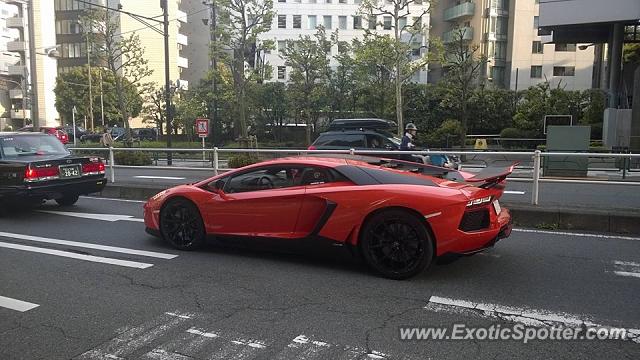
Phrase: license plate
(69, 171)
(496, 206)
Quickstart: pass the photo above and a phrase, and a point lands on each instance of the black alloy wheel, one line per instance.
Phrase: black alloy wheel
(396, 244)
(181, 225)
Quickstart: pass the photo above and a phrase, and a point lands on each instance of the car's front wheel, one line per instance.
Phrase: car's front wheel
(68, 200)
(396, 244)
(181, 224)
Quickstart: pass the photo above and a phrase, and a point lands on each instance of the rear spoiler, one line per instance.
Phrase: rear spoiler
(491, 176)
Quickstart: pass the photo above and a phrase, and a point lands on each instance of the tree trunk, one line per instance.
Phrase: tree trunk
(399, 101)
(123, 108)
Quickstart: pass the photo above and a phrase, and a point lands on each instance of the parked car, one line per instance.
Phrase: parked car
(80, 131)
(400, 216)
(149, 134)
(36, 167)
(370, 134)
(55, 131)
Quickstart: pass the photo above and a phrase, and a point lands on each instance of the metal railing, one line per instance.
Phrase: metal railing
(536, 158)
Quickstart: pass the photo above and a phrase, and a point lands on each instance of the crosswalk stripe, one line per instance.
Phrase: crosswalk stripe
(15, 304)
(304, 348)
(125, 344)
(88, 245)
(67, 254)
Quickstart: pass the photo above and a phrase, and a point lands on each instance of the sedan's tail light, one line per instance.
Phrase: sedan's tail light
(32, 174)
(94, 167)
(311, 147)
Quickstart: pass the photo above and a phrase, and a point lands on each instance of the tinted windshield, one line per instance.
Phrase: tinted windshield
(15, 146)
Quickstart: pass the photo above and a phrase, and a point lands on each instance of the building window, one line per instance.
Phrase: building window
(402, 23)
(327, 21)
(328, 1)
(342, 22)
(342, 1)
(536, 72)
(535, 22)
(281, 46)
(297, 21)
(68, 27)
(502, 25)
(343, 46)
(357, 22)
(566, 47)
(312, 1)
(372, 23)
(537, 47)
(282, 21)
(417, 23)
(357, 2)
(386, 23)
(282, 72)
(313, 22)
(282, 1)
(297, 1)
(501, 50)
(564, 71)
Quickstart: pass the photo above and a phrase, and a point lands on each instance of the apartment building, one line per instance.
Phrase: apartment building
(73, 46)
(301, 17)
(506, 32)
(28, 41)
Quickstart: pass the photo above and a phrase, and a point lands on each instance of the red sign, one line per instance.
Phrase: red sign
(202, 127)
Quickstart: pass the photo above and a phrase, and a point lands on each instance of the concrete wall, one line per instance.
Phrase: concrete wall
(554, 12)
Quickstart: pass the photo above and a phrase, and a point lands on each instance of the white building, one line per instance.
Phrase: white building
(294, 18)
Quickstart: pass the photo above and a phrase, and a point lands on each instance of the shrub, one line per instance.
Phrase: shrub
(511, 133)
(133, 158)
(243, 159)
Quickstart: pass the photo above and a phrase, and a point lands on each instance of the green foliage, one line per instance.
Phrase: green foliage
(72, 89)
(243, 159)
(447, 135)
(631, 53)
(132, 158)
(512, 133)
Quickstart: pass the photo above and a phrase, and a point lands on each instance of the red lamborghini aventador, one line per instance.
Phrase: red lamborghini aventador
(399, 215)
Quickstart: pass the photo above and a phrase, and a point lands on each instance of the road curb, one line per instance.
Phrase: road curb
(549, 218)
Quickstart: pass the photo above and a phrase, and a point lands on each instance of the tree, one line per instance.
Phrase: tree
(190, 105)
(272, 108)
(464, 65)
(341, 92)
(407, 40)
(240, 22)
(308, 58)
(123, 56)
(72, 89)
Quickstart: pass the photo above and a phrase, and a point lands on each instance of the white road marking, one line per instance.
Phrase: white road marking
(626, 268)
(514, 192)
(17, 305)
(564, 233)
(112, 199)
(158, 177)
(126, 343)
(98, 259)
(89, 245)
(202, 333)
(526, 316)
(103, 217)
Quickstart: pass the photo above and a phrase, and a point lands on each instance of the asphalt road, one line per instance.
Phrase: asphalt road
(227, 303)
(591, 196)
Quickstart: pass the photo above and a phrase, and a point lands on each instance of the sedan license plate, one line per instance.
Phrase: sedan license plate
(69, 171)
(496, 206)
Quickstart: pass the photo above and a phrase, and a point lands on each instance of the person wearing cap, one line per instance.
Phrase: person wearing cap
(410, 132)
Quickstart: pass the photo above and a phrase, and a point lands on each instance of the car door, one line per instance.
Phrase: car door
(263, 202)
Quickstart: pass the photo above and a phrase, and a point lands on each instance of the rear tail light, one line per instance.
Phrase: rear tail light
(311, 147)
(94, 167)
(32, 174)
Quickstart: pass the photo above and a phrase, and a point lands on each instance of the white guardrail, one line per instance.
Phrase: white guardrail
(536, 157)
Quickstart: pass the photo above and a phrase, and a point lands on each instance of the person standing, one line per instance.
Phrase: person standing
(106, 140)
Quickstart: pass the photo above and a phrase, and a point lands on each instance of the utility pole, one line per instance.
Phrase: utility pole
(167, 81)
(90, 93)
(101, 99)
(213, 110)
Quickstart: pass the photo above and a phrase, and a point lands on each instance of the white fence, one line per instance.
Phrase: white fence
(535, 156)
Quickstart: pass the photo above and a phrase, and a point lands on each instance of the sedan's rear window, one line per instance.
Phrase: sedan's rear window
(24, 145)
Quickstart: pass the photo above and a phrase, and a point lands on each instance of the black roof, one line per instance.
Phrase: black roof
(366, 123)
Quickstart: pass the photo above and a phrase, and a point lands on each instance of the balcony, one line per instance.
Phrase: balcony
(183, 62)
(182, 39)
(15, 22)
(15, 94)
(20, 114)
(17, 46)
(181, 16)
(459, 11)
(16, 70)
(454, 35)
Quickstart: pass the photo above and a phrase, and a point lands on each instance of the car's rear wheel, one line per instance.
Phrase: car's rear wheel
(68, 200)
(181, 224)
(396, 244)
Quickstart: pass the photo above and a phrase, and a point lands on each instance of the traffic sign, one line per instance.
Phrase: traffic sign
(202, 127)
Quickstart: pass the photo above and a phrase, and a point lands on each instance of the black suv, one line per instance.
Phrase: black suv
(360, 134)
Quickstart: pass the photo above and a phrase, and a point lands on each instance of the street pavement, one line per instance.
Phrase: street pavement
(606, 196)
(98, 287)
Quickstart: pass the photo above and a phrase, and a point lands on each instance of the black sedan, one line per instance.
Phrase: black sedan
(36, 167)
